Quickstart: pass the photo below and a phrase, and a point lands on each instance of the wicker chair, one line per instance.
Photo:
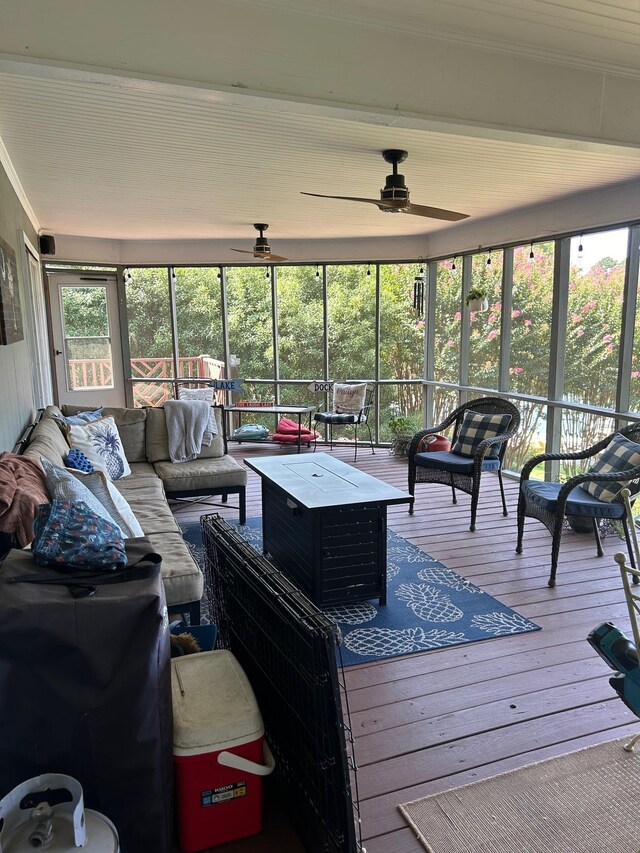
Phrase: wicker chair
(551, 502)
(461, 472)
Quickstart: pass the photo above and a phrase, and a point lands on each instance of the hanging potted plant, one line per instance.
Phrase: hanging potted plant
(478, 299)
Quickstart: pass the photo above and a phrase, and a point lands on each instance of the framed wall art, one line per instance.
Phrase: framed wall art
(11, 329)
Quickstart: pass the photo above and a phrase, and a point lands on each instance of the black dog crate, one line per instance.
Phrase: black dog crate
(287, 648)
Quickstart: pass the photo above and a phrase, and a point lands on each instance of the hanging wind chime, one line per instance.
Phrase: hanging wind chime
(418, 290)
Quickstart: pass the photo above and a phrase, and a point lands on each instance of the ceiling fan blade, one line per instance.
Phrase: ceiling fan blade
(346, 198)
(434, 212)
(415, 209)
(275, 258)
(244, 251)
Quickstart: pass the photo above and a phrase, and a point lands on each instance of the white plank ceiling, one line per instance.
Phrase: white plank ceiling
(127, 163)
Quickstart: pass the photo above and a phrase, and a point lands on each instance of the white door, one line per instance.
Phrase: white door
(86, 339)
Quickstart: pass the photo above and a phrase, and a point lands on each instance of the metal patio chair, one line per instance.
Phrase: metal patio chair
(354, 419)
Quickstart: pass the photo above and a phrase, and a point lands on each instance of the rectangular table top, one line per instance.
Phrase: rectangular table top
(324, 481)
(273, 410)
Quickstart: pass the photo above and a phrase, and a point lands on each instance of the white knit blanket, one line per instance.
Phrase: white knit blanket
(188, 428)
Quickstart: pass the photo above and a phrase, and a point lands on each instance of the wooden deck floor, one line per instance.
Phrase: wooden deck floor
(431, 721)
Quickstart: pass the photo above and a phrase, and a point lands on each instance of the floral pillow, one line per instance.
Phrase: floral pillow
(101, 444)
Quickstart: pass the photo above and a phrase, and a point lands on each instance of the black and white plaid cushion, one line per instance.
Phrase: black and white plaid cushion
(619, 455)
(338, 418)
(474, 428)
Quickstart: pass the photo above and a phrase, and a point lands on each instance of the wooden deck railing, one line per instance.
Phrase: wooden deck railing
(90, 373)
(98, 373)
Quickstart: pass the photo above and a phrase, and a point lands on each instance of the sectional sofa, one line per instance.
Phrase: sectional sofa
(154, 479)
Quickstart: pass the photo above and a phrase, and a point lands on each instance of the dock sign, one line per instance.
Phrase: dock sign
(319, 386)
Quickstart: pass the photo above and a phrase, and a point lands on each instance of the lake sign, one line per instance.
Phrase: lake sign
(234, 385)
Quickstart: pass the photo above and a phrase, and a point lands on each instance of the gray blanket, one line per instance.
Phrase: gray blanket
(188, 428)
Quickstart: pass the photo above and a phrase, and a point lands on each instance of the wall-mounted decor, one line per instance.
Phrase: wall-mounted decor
(11, 330)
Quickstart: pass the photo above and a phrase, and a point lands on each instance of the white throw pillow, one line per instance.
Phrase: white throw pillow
(205, 394)
(349, 399)
(111, 499)
(100, 442)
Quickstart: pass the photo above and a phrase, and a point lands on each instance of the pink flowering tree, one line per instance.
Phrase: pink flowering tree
(593, 331)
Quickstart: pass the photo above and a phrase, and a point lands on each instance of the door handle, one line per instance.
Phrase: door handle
(58, 352)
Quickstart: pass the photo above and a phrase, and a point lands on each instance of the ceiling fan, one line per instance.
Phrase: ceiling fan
(261, 249)
(394, 197)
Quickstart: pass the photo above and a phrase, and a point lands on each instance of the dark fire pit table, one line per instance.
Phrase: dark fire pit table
(325, 525)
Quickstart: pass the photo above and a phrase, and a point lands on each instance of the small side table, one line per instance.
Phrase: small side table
(300, 411)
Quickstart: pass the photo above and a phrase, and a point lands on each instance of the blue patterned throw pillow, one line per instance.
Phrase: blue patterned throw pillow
(78, 461)
(69, 535)
(619, 455)
(475, 427)
(83, 417)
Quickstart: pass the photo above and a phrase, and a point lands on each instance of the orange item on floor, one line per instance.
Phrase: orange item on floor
(287, 433)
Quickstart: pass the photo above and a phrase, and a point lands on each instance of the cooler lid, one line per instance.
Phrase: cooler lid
(214, 706)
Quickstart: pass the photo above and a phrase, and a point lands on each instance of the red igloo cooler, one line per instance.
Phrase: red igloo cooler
(220, 754)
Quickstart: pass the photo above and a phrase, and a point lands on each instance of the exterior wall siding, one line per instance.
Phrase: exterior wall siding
(16, 397)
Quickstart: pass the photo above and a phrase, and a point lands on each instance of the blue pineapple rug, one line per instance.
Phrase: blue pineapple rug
(428, 605)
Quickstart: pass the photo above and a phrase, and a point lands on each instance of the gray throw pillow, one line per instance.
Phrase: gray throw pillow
(63, 486)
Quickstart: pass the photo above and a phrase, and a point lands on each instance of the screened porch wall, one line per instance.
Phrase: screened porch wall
(557, 339)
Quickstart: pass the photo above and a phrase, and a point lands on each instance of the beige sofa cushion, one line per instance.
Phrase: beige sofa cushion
(183, 581)
(146, 498)
(140, 470)
(47, 439)
(158, 440)
(143, 489)
(131, 428)
(205, 474)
